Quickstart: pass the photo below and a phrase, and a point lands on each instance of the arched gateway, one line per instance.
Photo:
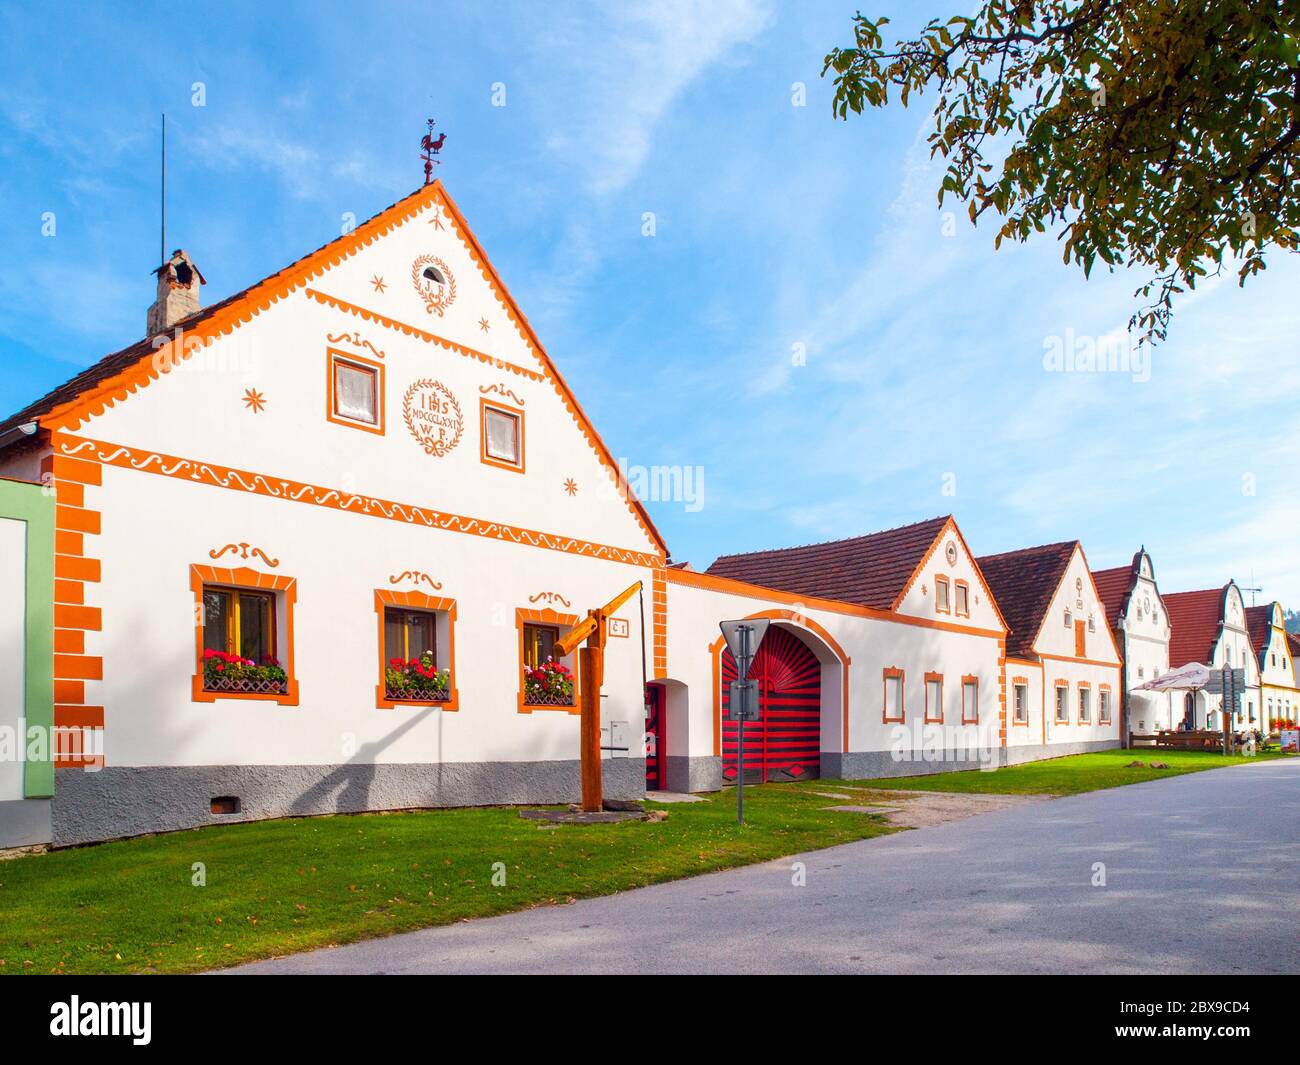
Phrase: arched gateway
(785, 744)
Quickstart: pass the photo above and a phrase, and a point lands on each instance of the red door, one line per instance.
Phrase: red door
(656, 749)
(785, 744)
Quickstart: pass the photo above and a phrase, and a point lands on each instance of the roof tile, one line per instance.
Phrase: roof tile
(869, 571)
(1196, 618)
(1023, 583)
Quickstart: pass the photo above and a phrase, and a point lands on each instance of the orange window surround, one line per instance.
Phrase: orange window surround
(555, 619)
(970, 700)
(942, 596)
(500, 427)
(342, 367)
(894, 681)
(934, 698)
(416, 601)
(285, 589)
(1020, 701)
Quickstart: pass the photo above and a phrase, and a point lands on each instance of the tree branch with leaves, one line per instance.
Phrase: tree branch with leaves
(1162, 135)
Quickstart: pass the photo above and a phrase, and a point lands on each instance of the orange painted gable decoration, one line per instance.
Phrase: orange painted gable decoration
(142, 364)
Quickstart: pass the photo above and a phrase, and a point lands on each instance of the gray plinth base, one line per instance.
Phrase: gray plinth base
(123, 801)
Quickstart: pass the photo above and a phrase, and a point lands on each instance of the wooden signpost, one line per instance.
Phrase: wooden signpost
(593, 630)
(1229, 683)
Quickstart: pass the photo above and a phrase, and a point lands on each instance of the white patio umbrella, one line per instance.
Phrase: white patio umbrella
(1191, 677)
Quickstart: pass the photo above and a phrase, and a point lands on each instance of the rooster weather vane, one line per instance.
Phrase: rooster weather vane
(430, 147)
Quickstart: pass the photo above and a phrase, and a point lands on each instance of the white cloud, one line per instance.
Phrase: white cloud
(637, 61)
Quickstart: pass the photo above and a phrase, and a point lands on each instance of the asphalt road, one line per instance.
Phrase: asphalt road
(1202, 875)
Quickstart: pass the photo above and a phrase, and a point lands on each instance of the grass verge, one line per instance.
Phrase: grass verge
(277, 887)
(1060, 776)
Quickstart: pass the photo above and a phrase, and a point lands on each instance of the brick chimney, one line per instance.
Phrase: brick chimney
(178, 292)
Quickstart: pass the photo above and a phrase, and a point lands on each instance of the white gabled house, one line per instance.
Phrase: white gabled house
(1279, 694)
(1063, 669)
(884, 659)
(1209, 627)
(1139, 619)
(367, 456)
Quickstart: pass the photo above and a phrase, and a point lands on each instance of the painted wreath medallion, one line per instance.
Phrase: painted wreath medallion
(434, 283)
(433, 416)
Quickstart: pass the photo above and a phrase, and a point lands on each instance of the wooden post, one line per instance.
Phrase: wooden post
(591, 675)
(590, 663)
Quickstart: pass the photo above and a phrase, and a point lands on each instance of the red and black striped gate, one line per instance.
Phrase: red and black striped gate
(786, 743)
(656, 738)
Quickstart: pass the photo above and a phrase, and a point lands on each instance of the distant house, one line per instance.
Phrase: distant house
(1209, 627)
(1140, 621)
(1063, 667)
(1279, 694)
(1293, 645)
(885, 660)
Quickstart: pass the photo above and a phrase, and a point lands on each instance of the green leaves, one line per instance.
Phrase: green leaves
(1145, 134)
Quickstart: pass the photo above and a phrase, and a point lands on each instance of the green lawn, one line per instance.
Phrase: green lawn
(281, 886)
(1062, 776)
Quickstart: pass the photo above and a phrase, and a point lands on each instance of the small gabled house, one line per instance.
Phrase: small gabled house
(1063, 667)
(1209, 627)
(1279, 695)
(1137, 616)
(884, 658)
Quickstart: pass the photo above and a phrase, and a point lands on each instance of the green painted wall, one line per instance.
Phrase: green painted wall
(34, 504)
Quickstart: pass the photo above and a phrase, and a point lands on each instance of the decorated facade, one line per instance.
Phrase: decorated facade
(1209, 628)
(314, 543)
(1139, 620)
(1063, 670)
(1279, 695)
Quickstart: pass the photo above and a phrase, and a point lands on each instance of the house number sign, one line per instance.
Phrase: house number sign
(433, 416)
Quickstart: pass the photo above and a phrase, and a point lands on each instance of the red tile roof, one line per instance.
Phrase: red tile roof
(1114, 586)
(870, 570)
(1196, 618)
(108, 366)
(120, 361)
(1259, 623)
(1023, 583)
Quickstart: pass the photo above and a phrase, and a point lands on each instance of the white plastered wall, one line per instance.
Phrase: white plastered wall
(872, 644)
(1098, 666)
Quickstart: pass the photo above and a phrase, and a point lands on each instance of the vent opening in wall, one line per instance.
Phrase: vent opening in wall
(225, 804)
(432, 273)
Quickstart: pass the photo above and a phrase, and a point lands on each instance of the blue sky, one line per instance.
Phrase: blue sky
(922, 387)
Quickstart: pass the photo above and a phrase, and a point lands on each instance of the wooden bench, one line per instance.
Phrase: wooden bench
(1173, 739)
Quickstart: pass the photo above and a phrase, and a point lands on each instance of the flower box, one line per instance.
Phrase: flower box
(417, 681)
(544, 699)
(235, 675)
(418, 695)
(245, 687)
(550, 684)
